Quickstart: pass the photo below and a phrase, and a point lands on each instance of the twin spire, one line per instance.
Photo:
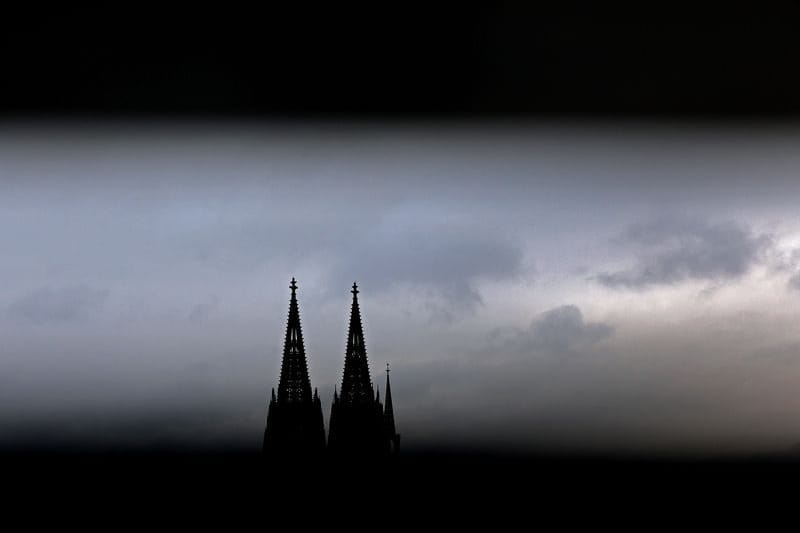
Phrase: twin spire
(359, 422)
(356, 382)
(294, 384)
(294, 420)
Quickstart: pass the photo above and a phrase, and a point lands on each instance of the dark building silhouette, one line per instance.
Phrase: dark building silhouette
(359, 424)
(294, 421)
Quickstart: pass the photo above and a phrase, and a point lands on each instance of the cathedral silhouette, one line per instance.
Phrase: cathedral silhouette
(360, 425)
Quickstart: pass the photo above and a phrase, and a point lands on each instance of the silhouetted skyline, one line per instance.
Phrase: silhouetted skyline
(606, 287)
(574, 225)
(359, 424)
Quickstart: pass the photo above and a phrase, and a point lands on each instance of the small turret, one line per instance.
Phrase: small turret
(388, 417)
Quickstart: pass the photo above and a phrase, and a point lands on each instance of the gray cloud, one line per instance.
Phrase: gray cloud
(444, 260)
(414, 245)
(563, 329)
(560, 330)
(426, 221)
(784, 262)
(786, 353)
(49, 305)
(501, 374)
(510, 382)
(201, 311)
(671, 250)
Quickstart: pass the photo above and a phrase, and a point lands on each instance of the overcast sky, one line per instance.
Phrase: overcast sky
(552, 285)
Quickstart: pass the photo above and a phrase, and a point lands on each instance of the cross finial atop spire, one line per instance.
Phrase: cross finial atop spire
(387, 368)
(293, 285)
(355, 288)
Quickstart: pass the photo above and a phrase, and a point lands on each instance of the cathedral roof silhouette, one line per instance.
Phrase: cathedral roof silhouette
(359, 423)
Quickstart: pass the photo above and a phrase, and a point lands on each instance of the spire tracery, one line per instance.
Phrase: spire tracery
(294, 420)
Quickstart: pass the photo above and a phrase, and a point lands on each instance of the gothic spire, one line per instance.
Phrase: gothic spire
(294, 418)
(358, 420)
(388, 409)
(294, 385)
(356, 382)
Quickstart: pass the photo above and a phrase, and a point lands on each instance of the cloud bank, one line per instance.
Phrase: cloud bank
(48, 305)
(669, 251)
